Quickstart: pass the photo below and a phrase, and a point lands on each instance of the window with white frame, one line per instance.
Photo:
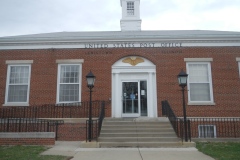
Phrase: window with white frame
(207, 131)
(130, 8)
(199, 82)
(239, 68)
(238, 60)
(69, 80)
(69, 83)
(18, 83)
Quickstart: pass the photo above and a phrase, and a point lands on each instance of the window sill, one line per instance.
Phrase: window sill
(201, 103)
(16, 104)
(68, 103)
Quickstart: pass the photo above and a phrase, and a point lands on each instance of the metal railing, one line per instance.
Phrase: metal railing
(70, 110)
(205, 127)
(66, 110)
(177, 123)
(215, 127)
(96, 124)
(29, 125)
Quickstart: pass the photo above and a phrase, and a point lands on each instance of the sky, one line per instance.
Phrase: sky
(21, 17)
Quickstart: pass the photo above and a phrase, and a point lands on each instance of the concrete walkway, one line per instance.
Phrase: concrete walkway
(75, 150)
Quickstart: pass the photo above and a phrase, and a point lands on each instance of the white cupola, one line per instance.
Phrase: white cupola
(130, 15)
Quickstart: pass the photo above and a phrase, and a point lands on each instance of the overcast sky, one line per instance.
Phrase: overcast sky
(19, 17)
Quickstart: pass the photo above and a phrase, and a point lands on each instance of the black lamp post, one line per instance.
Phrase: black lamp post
(182, 80)
(90, 84)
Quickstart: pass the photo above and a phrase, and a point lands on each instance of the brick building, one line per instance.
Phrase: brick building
(136, 70)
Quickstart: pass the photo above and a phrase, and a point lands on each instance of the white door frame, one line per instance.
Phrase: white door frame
(126, 72)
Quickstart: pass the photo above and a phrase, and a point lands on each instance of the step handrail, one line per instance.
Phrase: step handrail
(177, 123)
(96, 124)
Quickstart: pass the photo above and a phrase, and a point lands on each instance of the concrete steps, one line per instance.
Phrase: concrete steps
(138, 139)
(144, 144)
(138, 132)
(136, 135)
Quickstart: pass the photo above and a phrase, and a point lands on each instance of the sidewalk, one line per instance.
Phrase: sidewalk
(73, 149)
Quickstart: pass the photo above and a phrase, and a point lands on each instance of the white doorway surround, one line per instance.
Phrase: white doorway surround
(134, 88)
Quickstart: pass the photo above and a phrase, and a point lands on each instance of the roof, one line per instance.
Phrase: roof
(165, 34)
(79, 39)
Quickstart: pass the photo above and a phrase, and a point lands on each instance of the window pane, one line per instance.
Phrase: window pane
(69, 92)
(17, 93)
(69, 74)
(19, 74)
(198, 73)
(199, 92)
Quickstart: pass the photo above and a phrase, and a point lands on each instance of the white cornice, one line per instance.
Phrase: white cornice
(80, 39)
(48, 45)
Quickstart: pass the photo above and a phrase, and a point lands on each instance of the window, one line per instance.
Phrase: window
(18, 83)
(207, 131)
(239, 67)
(69, 82)
(130, 8)
(199, 83)
(238, 60)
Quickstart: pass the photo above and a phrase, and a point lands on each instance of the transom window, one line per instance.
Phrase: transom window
(130, 8)
(69, 83)
(199, 82)
(18, 84)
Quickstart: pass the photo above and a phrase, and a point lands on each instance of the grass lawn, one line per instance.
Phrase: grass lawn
(26, 153)
(219, 150)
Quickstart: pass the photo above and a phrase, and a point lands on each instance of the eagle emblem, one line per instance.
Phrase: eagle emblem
(133, 60)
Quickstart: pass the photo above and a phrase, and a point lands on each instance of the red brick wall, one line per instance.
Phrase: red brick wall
(72, 132)
(27, 141)
(168, 61)
(75, 132)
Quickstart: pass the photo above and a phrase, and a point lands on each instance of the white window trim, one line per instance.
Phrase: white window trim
(214, 131)
(17, 63)
(239, 67)
(200, 61)
(238, 60)
(69, 62)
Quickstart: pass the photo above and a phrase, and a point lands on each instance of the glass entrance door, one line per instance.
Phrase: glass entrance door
(134, 99)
